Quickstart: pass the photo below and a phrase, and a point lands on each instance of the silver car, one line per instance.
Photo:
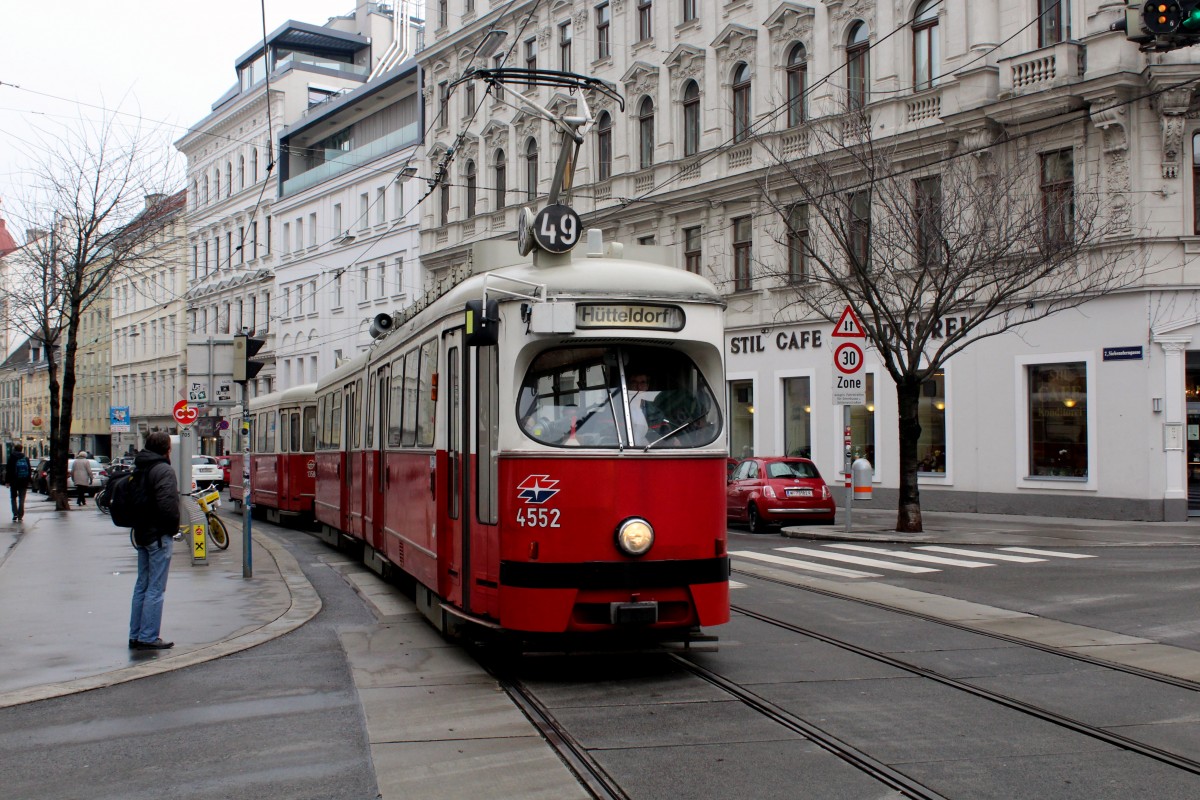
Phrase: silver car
(99, 476)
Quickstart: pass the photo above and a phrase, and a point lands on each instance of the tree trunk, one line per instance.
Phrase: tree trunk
(908, 517)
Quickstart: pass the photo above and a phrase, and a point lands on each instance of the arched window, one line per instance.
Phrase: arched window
(254, 164)
(205, 189)
(241, 172)
(741, 102)
(216, 183)
(531, 169)
(228, 178)
(604, 147)
(195, 193)
(691, 118)
(858, 67)
(469, 174)
(646, 133)
(797, 84)
(501, 179)
(927, 48)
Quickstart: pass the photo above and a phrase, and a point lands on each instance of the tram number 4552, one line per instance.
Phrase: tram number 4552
(538, 517)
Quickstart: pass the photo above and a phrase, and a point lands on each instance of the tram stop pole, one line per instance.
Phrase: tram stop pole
(848, 466)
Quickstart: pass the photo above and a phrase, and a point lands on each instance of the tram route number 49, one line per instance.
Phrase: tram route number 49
(556, 228)
(538, 517)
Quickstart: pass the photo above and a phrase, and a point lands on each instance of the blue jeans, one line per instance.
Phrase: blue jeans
(154, 562)
(17, 495)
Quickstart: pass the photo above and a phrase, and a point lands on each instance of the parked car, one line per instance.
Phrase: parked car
(207, 472)
(764, 492)
(39, 477)
(99, 476)
(224, 463)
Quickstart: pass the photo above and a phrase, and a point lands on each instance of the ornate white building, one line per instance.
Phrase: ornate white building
(716, 91)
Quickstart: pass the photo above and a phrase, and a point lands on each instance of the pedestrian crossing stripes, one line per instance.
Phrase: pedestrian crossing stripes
(887, 560)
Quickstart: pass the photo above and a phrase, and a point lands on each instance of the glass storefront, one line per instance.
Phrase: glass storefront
(797, 417)
(1192, 393)
(1058, 442)
(741, 419)
(931, 412)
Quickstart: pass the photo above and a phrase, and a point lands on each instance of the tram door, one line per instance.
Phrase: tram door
(451, 546)
(352, 449)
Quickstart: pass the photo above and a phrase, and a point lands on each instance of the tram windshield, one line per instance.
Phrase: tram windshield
(616, 397)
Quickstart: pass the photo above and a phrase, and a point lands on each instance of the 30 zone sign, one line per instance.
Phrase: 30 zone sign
(849, 383)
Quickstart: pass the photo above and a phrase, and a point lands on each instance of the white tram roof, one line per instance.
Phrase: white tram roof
(288, 397)
(580, 276)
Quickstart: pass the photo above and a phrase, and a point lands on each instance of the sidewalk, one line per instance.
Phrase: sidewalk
(66, 578)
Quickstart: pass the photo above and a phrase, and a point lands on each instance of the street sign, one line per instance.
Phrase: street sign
(184, 414)
(849, 382)
(224, 391)
(197, 392)
(849, 326)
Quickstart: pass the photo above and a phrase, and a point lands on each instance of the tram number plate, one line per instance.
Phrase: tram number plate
(538, 517)
(799, 492)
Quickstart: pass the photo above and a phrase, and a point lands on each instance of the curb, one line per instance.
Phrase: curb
(305, 604)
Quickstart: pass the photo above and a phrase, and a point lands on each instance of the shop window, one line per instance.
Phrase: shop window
(797, 417)
(1196, 183)
(862, 425)
(931, 412)
(1058, 432)
(741, 419)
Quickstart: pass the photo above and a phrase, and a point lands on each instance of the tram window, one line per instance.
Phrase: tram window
(335, 437)
(310, 429)
(293, 439)
(408, 426)
(357, 414)
(320, 422)
(371, 411)
(575, 397)
(427, 408)
(397, 398)
(272, 421)
(261, 437)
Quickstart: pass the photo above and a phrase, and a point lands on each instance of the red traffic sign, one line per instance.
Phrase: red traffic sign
(848, 358)
(849, 326)
(184, 414)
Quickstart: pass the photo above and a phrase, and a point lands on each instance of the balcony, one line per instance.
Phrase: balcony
(339, 161)
(1047, 68)
(308, 60)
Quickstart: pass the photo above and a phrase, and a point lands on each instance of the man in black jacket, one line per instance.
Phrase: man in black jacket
(17, 473)
(153, 539)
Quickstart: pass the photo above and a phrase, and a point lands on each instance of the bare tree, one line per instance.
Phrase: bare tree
(93, 195)
(989, 232)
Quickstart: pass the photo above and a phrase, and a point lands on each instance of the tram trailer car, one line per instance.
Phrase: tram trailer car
(551, 461)
(283, 455)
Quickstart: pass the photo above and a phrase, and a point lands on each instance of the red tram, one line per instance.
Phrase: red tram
(551, 461)
(282, 460)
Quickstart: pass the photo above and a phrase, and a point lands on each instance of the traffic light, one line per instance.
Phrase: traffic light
(245, 348)
(1161, 17)
(1161, 25)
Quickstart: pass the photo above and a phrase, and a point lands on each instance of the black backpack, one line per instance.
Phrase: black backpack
(128, 500)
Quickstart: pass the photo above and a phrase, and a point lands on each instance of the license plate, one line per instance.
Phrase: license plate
(799, 492)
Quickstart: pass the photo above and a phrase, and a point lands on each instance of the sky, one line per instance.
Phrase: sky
(160, 64)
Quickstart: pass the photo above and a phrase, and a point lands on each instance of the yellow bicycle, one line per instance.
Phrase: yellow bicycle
(209, 499)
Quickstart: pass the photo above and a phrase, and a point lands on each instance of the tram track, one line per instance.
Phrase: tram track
(1161, 755)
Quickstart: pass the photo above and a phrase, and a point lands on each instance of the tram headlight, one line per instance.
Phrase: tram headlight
(635, 536)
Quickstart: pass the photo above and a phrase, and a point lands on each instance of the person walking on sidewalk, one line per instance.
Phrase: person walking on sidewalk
(81, 473)
(17, 474)
(153, 538)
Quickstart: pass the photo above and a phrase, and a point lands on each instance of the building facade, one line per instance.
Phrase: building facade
(349, 241)
(233, 233)
(1093, 412)
(149, 331)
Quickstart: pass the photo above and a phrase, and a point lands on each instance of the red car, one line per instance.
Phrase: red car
(764, 492)
(223, 461)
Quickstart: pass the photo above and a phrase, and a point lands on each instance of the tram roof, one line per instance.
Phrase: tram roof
(292, 395)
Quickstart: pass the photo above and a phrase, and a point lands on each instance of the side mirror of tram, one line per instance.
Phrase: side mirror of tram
(483, 325)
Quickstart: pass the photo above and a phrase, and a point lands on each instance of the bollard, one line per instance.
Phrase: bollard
(862, 474)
